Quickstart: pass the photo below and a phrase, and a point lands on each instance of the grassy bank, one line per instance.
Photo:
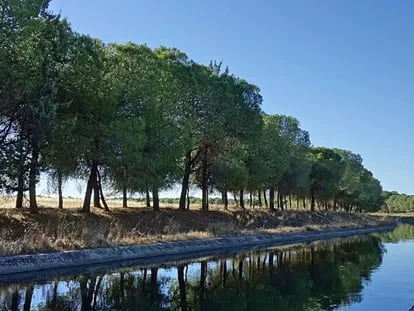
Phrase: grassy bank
(57, 230)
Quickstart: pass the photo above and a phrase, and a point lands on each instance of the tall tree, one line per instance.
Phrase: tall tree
(327, 170)
(94, 107)
(40, 45)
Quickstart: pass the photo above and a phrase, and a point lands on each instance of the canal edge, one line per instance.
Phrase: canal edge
(69, 259)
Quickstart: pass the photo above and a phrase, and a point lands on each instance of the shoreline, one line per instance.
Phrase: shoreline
(54, 230)
(24, 267)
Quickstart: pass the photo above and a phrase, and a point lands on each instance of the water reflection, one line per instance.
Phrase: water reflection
(322, 275)
(403, 232)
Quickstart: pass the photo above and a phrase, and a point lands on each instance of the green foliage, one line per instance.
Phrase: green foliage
(327, 170)
(144, 119)
(400, 203)
(404, 232)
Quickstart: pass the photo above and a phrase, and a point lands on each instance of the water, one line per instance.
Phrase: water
(374, 272)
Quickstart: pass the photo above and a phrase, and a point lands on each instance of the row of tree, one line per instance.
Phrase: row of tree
(141, 120)
(396, 202)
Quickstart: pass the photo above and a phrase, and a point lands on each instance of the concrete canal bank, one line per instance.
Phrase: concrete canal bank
(162, 252)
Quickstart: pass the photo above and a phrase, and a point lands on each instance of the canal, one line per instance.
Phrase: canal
(372, 272)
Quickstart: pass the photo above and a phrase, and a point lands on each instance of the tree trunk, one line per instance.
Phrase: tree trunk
(251, 199)
(147, 196)
(89, 187)
(182, 289)
(53, 305)
(203, 277)
(223, 273)
(277, 199)
(188, 199)
(124, 190)
(250, 267)
(59, 188)
(153, 282)
(204, 185)
(28, 298)
(204, 199)
(304, 202)
(95, 185)
(121, 289)
(312, 201)
(32, 180)
(225, 199)
(290, 201)
(235, 199)
(95, 296)
(259, 198)
(154, 277)
(144, 280)
(155, 199)
(185, 182)
(265, 198)
(20, 177)
(241, 269)
(282, 205)
(101, 192)
(272, 198)
(124, 196)
(15, 301)
(20, 190)
(271, 267)
(86, 298)
(241, 198)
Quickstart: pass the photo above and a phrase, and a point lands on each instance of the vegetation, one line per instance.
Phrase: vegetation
(404, 232)
(59, 230)
(140, 120)
(398, 203)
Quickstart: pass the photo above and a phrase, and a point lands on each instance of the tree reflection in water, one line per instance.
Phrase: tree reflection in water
(322, 275)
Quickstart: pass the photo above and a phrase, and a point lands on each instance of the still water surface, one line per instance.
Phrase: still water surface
(374, 272)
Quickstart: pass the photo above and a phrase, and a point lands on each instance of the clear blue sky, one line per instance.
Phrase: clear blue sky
(345, 69)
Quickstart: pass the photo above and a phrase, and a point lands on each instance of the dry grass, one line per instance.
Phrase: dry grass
(386, 215)
(58, 230)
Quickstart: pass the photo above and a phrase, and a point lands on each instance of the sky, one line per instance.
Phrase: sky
(345, 69)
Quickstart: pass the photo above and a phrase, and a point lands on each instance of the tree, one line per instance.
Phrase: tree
(296, 144)
(273, 153)
(327, 169)
(203, 124)
(220, 110)
(146, 94)
(141, 119)
(39, 50)
(370, 198)
(230, 172)
(94, 107)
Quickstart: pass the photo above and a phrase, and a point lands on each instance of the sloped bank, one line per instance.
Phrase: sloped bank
(54, 230)
(20, 264)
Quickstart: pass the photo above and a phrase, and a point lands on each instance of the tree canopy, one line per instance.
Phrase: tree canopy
(142, 120)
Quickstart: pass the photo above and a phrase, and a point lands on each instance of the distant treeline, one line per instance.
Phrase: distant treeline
(396, 202)
(141, 120)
